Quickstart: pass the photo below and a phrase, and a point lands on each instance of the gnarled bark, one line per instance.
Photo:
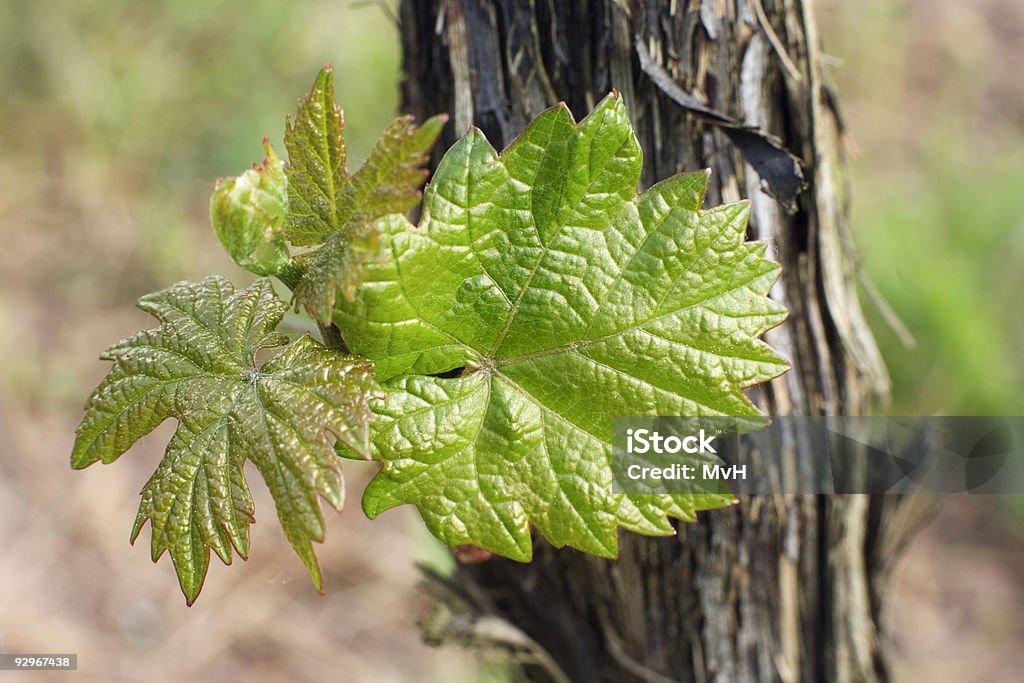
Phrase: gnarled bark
(779, 587)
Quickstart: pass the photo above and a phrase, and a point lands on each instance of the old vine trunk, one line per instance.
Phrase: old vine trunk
(780, 587)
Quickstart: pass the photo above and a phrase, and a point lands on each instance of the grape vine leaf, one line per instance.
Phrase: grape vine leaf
(248, 215)
(334, 209)
(539, 297)
(200, 367)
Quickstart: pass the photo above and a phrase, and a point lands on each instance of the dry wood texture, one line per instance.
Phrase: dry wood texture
(782, 588)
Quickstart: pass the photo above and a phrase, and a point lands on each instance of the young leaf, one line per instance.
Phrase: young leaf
(316, 164)
(248, 214)
(559, 299)
(200, 367)
(335, 209)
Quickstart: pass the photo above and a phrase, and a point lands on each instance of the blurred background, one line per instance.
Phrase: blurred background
(117, 116)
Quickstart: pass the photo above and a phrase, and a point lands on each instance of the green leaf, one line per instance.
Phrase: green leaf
(248, 215)
(539, 297)
(200, 367)
(316, 164)
(336, 209)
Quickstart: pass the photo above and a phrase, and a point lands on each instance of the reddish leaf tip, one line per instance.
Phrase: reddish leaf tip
(471, 554)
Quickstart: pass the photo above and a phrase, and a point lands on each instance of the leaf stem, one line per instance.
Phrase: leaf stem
(290, 275)
(332, 337)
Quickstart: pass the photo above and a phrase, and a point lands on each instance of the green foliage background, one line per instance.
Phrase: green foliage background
(117, 116)
(937, 106)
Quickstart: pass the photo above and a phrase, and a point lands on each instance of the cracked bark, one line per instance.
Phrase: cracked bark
(779, 588)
